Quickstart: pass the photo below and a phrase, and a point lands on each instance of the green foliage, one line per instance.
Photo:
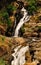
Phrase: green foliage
(9, 22)
(11, 8)
(6, 17)
(14, 8)
(32, 6)
(2, 62)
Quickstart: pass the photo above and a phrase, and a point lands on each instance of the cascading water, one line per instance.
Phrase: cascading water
(19, 55)
(22, 21)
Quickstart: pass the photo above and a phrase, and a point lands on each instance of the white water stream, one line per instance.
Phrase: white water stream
(19, 55)
(22, 21)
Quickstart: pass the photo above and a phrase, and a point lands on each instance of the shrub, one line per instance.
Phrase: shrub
(11, 8)
(32, 6)
(6, 17)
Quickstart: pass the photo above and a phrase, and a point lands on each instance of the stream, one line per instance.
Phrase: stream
(22, 21)
(19, 54)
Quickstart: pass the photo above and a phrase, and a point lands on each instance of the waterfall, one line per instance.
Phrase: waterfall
(19, 55)
(22, 21)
